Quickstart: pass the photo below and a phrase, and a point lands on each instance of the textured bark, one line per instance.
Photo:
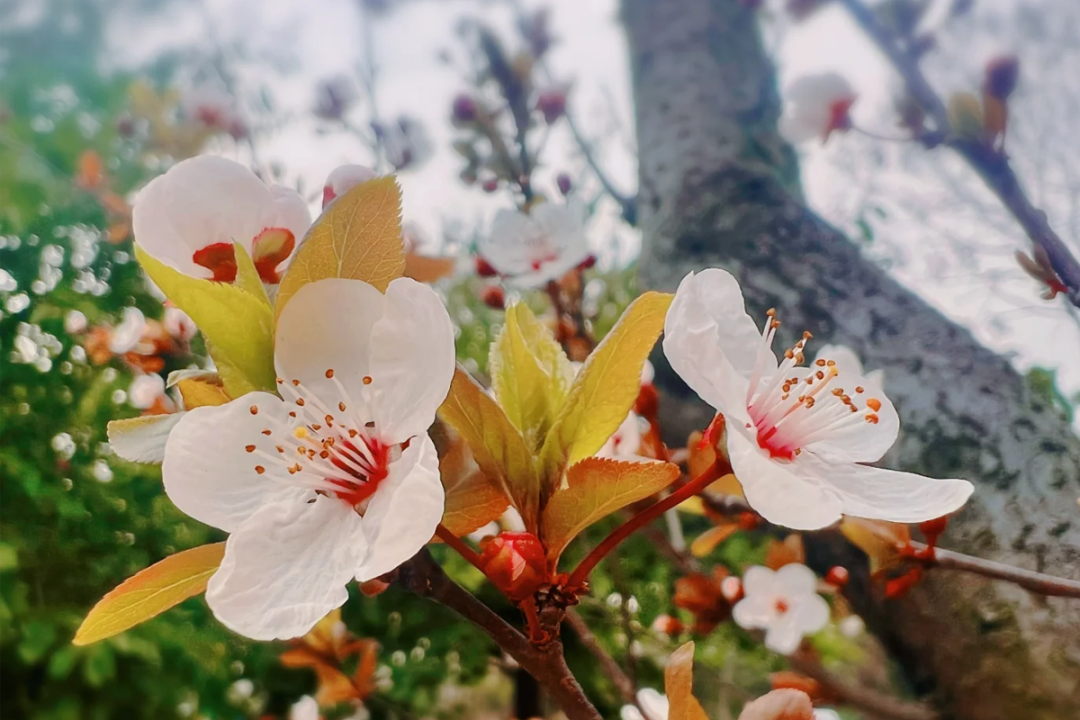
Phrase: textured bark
(719, 188)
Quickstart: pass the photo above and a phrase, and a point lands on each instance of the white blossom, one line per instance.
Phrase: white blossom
(537, 247)
(784, 604)
(796, 436)
(306, 708)
(335, 480)
(145, 390)
(815, 106)
(653, 706)
(125, 336)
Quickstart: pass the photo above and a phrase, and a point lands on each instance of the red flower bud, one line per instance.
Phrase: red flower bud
(484, 268)
(494, 297)
(1001, 75)
(464, 109)
(837, 576)
(552, 103)
(587, 263)
(516, 563)
(371, 588)
(490, 185)
(563, 181)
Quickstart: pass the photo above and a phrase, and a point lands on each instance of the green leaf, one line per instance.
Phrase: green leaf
(530, 374)
(605, 390)
(247, 276)
(237, 325)
(496, 445)
(357, 237)
(597, 487)
(150, 592)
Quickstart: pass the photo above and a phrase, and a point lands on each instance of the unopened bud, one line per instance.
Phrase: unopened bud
(667, 625)
(494, 297)
(1001, 76)
(563, 181)
(465, 109)
(552, 103)
(371, 588)
(345, 178)
(490, 185)
(731, 588)
(587, 263)
(484, 269)
(837, 576)
(516, 563)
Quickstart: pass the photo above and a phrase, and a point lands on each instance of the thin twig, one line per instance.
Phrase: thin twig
(424, 577)
(622, 682)
(1028, 579)
(991, 165)
(872, 702)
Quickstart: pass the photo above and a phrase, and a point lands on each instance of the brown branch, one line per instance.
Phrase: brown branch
(424, 577)
(864, 699)
(623, 683)
(991, 165)
(1028, 579)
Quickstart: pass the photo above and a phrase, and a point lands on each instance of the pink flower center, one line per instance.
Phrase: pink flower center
(839, 117)
(793, 407)
(781, 606)
(327, 449)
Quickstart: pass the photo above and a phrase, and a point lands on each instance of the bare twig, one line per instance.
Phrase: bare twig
(424, 577)
(872, 702)
(992, 165)
(1028, 579)
(622, 682)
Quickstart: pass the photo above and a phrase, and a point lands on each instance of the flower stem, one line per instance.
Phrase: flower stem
(646, 516)
(444, 534)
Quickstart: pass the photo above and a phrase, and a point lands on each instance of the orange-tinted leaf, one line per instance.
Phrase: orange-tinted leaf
(472, 501)
(679, 686)
(596, 488)
(881, 541)
(207, 390)
(358, 236)
(779, 705)
(426, 269)
(707, 541)
(151, 592)
(90, 170)
(784, 553)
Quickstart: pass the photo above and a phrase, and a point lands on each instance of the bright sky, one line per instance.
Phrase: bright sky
(923, 243)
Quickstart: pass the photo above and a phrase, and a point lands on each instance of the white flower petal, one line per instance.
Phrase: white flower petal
(199, 202)
(411, 360)
(142, 439)
(754, 611)
(506, 247)
(759, 581)
(293, 213)
(796, 579)
(781, 491)
(208, 472)
(859, 441)
(630, 712)
(810, 612)
(306, 708)
(343, 179)
(287, 566)
(880, 494)
(655, 704)
(784, 635)
(404, 511)
(327, 325)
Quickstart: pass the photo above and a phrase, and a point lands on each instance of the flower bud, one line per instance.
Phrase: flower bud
(465, 109)
(552, 103)
(484, 269)
(516, 563)
(1001, 76)
(563, 181)
(490, 185)
(837, 576)
(587, 263)
(494, 297)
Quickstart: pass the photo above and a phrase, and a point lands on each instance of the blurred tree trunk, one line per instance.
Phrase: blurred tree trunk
(719, 187)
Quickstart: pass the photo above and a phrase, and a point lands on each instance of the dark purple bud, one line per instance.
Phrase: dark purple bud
(563, 181)
(1002, 74)
(464, 109)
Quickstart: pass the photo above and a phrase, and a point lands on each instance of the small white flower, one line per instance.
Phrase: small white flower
(815, 106)
(852, 626)
(178, 324)
(306, 708)
(145, 390)
(405, 142)
(125, 336)
(654, 704)
(344, 178)
(626, 441)
(74, 322)
(784, 604)
(541, 246)
(337, 481)
(795, 436)
(825, 714)
(190, 217)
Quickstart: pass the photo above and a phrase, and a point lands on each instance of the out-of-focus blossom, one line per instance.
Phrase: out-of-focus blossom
(784, 604)
(535, 248)
(654, 706)
(74, 322)
(626, 441)
(178, 324)
(815, 106)
(825, 714)
(339, 480)
(304, 709)
(145, 391)
(190, 217)
(795, 436)
(125, 336)
(551, 102)
(334, 98)
(344, 178)
(405, 142)
(212, 105)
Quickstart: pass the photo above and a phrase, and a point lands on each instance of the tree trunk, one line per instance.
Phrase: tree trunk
(719, 187)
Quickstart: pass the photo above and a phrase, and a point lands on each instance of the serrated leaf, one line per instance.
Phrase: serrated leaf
(247, 275)
(207, 390)
(605, 389)
(679, 686)
(597, 487)
(472, 501)
(881, 541)
(530, 374)
(358, 237)
(151, 592)
(496, 445)
(426, 269)
(142, 439)
(237, 326)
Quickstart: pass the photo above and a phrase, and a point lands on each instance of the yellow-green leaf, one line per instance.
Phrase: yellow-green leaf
(247, 276)
(605, 389)
(202, 391)
(596, 488)
(496, 445)
(530, 374)
(237, 326)
(357, 237)
(150, 592)
(679, 686)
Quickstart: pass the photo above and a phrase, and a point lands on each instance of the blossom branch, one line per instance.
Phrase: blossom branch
(622, 682)
(876, 704)
(424, 577)
(627, 203)
(991, 164)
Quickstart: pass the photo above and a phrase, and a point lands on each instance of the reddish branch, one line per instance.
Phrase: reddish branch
(424, 577)
(1028, 579)
(992, 165)
(622, 682)
(875, 704)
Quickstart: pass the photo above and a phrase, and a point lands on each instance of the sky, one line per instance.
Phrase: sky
(954, 253)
